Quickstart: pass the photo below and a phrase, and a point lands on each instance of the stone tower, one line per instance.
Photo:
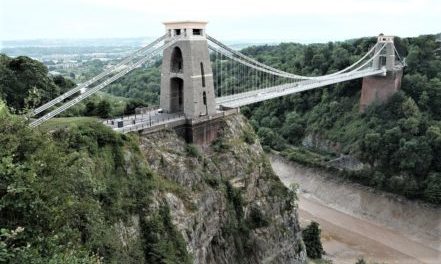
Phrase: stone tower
(381, 88)
(186, 76)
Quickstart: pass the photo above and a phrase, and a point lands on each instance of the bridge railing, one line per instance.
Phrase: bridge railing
(165, 119)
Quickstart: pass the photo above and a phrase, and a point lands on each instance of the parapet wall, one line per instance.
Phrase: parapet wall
(204, 130)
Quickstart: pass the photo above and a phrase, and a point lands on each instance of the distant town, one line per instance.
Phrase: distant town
(80, 59)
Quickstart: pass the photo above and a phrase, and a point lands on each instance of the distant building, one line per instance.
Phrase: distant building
(54, 73)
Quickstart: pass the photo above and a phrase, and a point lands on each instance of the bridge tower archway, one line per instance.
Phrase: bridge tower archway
(187, 77)
(176, 95)
(176, 62)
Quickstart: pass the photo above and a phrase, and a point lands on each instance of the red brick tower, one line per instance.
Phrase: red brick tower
(381, 88)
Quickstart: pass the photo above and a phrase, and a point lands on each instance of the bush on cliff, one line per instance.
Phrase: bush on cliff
(311, 237)
(64, 196)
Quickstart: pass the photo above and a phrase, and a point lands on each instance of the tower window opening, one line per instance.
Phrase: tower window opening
(177, 32)
(197, 31)
(203, 74)
(176, 61)
(382, 61)
(176, 95)
(204, 98)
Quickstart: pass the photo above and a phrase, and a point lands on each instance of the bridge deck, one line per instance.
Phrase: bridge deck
(147, 120)
(154, 120)
(255, 96)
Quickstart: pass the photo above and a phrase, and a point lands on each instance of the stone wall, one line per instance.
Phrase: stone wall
(379, 88)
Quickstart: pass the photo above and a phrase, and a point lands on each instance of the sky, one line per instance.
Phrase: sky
(229, 20)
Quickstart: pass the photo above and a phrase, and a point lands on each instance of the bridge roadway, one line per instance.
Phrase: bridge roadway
(254, 96)
(150, 119)
(155, 120)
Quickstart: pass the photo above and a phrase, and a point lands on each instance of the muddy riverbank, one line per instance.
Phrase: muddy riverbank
(359, 222)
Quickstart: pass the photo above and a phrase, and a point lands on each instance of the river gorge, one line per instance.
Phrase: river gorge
(357, 221)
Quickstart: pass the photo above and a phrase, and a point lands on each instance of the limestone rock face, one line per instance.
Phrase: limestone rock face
(316, 141)
(230, 206)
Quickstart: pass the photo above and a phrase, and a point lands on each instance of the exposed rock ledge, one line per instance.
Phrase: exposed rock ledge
(231, 208)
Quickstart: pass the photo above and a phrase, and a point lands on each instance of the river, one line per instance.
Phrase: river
(359, 222)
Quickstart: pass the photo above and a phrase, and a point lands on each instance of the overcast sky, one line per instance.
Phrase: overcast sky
(229, 20)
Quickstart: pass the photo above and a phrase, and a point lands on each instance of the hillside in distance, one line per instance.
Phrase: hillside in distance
(399, 142)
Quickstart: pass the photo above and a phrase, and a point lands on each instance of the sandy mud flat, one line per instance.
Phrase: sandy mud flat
(357, 222)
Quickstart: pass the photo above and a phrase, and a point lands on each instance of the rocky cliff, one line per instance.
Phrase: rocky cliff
(230, 207)
(80, 193)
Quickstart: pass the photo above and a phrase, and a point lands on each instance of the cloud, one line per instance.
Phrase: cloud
(229, 19)
(204, 9)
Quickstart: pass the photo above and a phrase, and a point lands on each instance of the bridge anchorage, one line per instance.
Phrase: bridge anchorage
(203, 80)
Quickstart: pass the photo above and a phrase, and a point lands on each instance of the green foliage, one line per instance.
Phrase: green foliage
(212, 181)
(304, 156)
(432, 193)
(3, 108)
(64, 84)
(248, 136)
(66, 122)
(63, 196)
(104, 106)
(256, 218)
(234, 196)
(192, 150)
(400, 140)
(293, 128)
(132, 105)
(25, 82)
(237, 226)
(311, 237)
(8, 248)
(361, 261)
(269, 138)
(163, 244)
(219, 144)
(319, 261)
(103, 109)
(141, 84)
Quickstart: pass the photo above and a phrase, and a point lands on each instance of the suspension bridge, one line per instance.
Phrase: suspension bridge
(202, 79)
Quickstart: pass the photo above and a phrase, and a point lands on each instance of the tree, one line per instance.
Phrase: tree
(63, 83)
(311, 237)
(433, 190)
(415, 156)
(23, 78)
(361, 261)
(433, 134)
(293, 128)
(434, 92)
(266, 136)
(410, 108)
(90, 108)
(103, 109)
(319, 62)
(401, 138)
(269, 138)
(371, 147)
(132, 105)
(307, 56)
